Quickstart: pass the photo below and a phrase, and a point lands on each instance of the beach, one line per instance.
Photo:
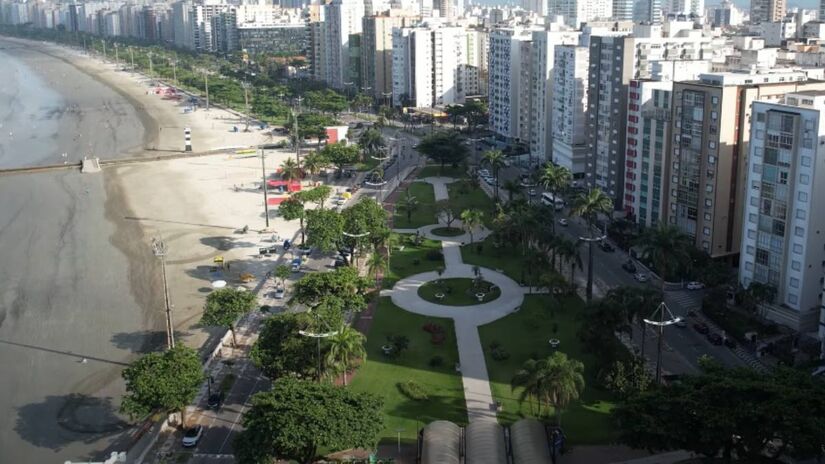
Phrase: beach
(80, 291)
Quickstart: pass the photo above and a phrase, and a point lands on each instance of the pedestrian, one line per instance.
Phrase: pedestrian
(227, 265)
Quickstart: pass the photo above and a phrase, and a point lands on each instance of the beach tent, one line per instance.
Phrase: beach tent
(284, 186)
(275, 201)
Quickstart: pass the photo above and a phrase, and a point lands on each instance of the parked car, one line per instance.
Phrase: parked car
(563, 222)
(606, 247)
(701, 327)
(192, 436)
(287, 245)
(296, 264)
(484, 173)
(279, 293)
(215, 400)
(715, 338)
(641, 277)
(695, 285)
(629, 266)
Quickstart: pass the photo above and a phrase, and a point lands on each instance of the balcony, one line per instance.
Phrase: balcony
(659, 114)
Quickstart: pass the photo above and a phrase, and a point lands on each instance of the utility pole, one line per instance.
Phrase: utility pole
(263, 177)
(175, 72)
(206, 84)
(159, 250)
(117, 58)
(297, 138)
(150, 64)
(132, 55)
(245, 86)
(104, 49)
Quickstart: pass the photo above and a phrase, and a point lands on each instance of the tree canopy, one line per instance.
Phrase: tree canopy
(344, 283)
(281, 351)
(165, 382)
(297, 418)
(445, 147)
(340, 154)
(324, 229)
(224, 307)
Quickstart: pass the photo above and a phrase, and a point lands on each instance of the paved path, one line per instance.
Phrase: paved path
(467, 319)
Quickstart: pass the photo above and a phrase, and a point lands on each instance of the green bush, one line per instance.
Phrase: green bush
(436, 361)
(499, 354)
(413, 390)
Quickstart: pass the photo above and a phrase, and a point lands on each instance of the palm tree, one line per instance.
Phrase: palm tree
(345, 348)
(512, 187)
(589, 205)
(371, 141)
(376, 264)
(563, 382)
(495, 160)
(314, 163)
(290, 170)
(568, 251)
(555, 179)
(667, 247)
(471, 218)
(408, 204)
(529, 378)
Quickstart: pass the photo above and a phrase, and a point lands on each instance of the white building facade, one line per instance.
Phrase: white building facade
(569, 106)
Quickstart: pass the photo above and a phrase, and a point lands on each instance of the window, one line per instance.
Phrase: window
(806, 161)
(714, 100)
(794, 283)
(797, 248)
(749, 266)
(752, 218)
(752, 234)
(711, 159)
(803, 197)
(707, 216)
(800, 213)
(804, 179)
(796, 265)
(799, 231)
(760, 117)
(759, 134)
(706, 230)
(750, 250)
(792, 298)
(708, 202)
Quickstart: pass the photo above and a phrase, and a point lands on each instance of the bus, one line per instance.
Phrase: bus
(548, 199)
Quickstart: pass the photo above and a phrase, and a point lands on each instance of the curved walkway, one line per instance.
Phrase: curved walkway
(467, 319)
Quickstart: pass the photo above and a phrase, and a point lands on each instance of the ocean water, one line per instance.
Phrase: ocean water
(29, 116)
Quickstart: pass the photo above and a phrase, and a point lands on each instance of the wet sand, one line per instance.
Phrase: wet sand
(77, 279)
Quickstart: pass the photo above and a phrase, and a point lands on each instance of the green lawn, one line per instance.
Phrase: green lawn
(473, 198)
(424, 215)
(525, 334)
(507, 258)
(380, 374)
(457, 292)
(412, 259)
(434, 170)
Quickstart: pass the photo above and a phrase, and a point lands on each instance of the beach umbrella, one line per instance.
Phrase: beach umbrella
(219, 284)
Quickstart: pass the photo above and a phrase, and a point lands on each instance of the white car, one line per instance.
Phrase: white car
(695, 285)
(641, 277)
(531, 192)
(279, 293)
(563, 222)
(484, 173)
(192, 436)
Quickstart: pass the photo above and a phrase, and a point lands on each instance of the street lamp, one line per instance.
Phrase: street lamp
(354, 236)
(666, 318)
(246, 86)
(159, 250)
(318, 337)
(264, 185)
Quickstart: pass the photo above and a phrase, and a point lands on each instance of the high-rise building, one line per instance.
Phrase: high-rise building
(767, 11)
(476, 71)
(376, 50)
(544, 44)
(317, 50)
(623, 10)
(647, 11)
(784, 194)
(428, 65)
(570, 76)
(342, 18)
(710, 132)
(576, 12)
(183, 32)
(510, 79)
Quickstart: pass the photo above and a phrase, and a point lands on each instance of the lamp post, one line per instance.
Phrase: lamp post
(296, 112)
(117, 58)
(174, 63)
(159, 250)
(318, 337)
(264, 184)
(666, 318)
(355, 237)
(132, 56)
(246, 86)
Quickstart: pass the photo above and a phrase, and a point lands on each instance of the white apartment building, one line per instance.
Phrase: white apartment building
(341, 19)
(648, 131)
(576, 12)
(510, 74)
(776, 33)
(781, 241)
(569, 107)
(428, 65)
(544, 44)
(182, 24)
(476, 71)
(376, 50)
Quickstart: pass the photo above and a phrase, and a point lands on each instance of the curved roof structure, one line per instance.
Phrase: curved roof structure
(484, 443)
(529, 442)
(441, 443)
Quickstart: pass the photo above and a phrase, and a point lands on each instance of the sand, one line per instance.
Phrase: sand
(78, 280)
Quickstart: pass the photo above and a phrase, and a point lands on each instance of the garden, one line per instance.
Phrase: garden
(459, 291)
(422, 210)
(412, 254)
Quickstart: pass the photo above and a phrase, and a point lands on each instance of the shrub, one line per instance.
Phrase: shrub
(436, 361)
(499, 354)
(413, 390)
(264, 308)
(495, 344)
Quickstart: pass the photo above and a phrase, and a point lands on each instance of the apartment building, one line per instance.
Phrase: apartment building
(317, 50)
(543, 48)
(782, 244)
(376, 50)
(569, 104)
(428, 65)
(768, 11)
(510, 76)
(476, 71)
(710, 134)
(342, 19)
(578, 12)
(281, 39)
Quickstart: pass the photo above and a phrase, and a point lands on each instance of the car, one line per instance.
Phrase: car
(681, 323)
(563, 222)
(287, 245)
(484, 173)
(531, 192)
(296, 264)
(606, 247)
(701, 327)
(215, 400)
(279, 293)
(715, 338)
(641, 277)
(730, 343)
(338, 262)
(629, 266)
(695, 285)
(192, 436)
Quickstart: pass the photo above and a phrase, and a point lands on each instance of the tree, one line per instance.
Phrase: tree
(165, 382)
(476, 113)
(495, 160)
(225, 306)
(297, 418)
(340, 154)
(318, 195)
(345, 349)
(529, 379)
(324, 229)
(757, 294)
(446, 212)
(555, 179)
(722, 411)
(290, 170)
(552, 381)
(314, 162)
(589, 205)
(282, 272)
(371, 141)
(377, 264)
(470, 219)
(320, 287)
(444, 147)
(454, 114)
(327, 101)
(409, 204)
(363, 220)
(568, 252)
(634, 304)
(667, 247)
(512, 188)
(627, 378)
(293, 208)
(282, 351)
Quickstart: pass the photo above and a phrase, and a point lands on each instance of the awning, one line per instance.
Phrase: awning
(275, 201)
